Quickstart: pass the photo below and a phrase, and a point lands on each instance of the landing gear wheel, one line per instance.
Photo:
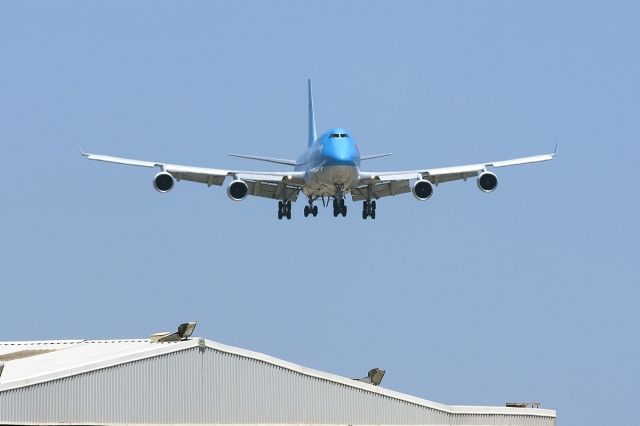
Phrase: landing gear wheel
(369, 209)
(339, 207)
(284, 209)
(310, 209)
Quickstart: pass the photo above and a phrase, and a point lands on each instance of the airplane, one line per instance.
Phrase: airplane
(328, 170)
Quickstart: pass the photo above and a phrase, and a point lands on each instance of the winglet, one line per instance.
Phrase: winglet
(555, 151)
(82, 151)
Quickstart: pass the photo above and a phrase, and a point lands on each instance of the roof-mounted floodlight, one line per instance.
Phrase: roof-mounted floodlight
(185, 330)
(374, 376)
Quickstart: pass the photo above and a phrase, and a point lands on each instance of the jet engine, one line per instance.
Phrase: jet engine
(237, 190)
(163, 182)
(422, 189)
(487, 181)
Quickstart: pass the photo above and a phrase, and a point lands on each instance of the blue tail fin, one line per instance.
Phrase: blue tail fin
(312, 118)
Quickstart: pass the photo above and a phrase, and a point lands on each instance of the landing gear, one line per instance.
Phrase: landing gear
(310, 209)
(369, 209)
(284, 209)
(339, 207)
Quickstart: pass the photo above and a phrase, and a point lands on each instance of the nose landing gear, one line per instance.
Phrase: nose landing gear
(284, 209)
(369, 209)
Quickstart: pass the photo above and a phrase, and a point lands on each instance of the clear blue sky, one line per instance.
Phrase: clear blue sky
(529, 293)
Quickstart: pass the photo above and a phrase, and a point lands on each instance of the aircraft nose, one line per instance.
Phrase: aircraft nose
(340, 151)
(338, 155)
(342, 156)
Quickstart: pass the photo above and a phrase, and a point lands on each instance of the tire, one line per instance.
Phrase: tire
(373, 214)
(364, 214)
(314, 211)
(306, 211)
(373, 205)
(279, 214)
(288, 214)
(344, 210)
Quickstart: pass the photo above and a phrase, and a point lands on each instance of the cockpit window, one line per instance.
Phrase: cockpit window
(338, 135)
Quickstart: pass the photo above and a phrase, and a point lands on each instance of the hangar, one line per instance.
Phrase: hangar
(199, 381)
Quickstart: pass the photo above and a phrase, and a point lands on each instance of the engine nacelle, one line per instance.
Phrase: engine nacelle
(422, 189)
(487, 181)
(237, 190)
(163, 182)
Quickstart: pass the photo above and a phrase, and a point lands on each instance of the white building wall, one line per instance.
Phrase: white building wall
(203, 385)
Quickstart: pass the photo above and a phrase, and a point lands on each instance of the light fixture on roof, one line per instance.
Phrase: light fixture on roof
(185, 330)
(374, 376)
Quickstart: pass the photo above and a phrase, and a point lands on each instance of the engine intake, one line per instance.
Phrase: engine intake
(237, 190)
(487, 181)
(163, 182)
(422, 189)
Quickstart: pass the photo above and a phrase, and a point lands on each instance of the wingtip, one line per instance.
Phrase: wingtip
(84, 154)
(555, 151)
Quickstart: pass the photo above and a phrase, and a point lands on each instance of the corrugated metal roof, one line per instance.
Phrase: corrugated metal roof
(11, 347)
(69, 357)
(64, 358)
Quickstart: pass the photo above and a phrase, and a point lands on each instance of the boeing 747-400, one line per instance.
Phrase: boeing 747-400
(328, 170)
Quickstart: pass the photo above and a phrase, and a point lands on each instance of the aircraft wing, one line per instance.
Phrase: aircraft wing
(276, 185)
(375, 185)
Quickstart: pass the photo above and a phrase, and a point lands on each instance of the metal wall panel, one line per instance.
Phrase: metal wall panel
(202, 385)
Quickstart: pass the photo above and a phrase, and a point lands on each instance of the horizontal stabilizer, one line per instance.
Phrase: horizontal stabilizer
(370, 157)
(267, 159)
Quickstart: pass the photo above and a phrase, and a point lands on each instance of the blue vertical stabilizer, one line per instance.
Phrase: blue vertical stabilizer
(312, 118)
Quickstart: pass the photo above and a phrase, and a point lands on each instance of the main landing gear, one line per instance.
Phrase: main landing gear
(310, 209)
(369, 209)
(338, 201)
(339, 207)
(284, 209)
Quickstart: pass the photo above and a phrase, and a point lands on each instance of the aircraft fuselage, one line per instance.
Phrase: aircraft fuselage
(331, 164)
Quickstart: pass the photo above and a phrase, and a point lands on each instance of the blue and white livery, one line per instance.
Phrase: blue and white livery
(329, 170)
